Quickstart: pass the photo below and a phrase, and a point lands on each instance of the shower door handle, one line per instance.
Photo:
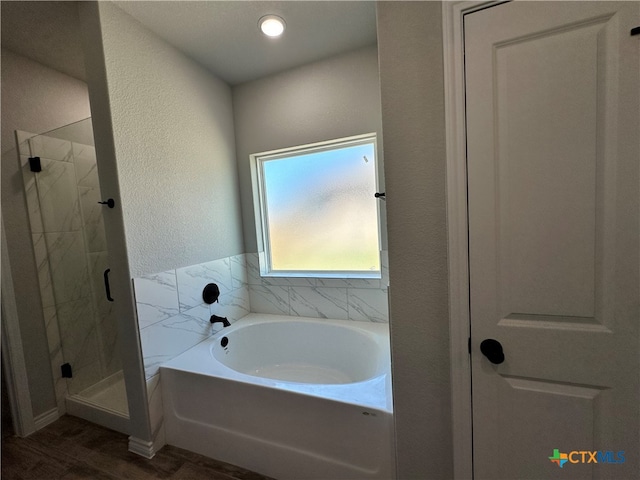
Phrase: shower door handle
(107, 289)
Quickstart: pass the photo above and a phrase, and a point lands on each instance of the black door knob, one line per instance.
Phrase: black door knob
(109, 203)
(492, 349)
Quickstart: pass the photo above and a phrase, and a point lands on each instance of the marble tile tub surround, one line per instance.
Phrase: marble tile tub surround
(172, 317)
(338, 298)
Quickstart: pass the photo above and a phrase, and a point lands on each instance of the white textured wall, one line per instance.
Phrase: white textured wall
(411, 70)
(35, 98)
(175, 150)
(333, 98)
(78, 132)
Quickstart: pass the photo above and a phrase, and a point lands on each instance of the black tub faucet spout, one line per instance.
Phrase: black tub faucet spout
(223, 320)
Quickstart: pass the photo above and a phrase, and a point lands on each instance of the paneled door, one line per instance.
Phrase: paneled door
(553, 189)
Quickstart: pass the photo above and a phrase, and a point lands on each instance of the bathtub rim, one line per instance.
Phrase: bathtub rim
(373, 393)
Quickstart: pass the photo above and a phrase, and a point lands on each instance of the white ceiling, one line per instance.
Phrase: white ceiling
(221, 35)
(47, 32)
(224, 36)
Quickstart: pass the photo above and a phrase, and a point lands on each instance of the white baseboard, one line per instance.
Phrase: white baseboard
(141, 447)
(46, 418)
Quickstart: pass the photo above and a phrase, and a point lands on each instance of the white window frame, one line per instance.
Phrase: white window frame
(261, 218)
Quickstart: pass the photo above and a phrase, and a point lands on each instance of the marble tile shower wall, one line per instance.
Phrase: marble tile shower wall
(71, 254)
(172, 316)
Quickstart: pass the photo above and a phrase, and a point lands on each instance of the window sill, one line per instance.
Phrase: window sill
(324, 276)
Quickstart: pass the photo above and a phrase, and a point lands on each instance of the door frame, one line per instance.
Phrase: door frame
(13, 360)
(458, 231)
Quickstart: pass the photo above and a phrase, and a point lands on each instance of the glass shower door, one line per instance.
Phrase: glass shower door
(67, 228)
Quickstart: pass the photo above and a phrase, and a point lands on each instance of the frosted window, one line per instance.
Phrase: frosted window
(319, 210)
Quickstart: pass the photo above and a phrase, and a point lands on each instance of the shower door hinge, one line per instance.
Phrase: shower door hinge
(65, 368)
(34, 164)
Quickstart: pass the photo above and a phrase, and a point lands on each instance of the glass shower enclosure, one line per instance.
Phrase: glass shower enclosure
(62, 191)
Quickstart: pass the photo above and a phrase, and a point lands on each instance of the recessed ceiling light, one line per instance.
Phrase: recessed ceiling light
(271, 25)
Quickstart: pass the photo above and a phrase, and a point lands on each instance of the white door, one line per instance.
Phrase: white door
(553, 157)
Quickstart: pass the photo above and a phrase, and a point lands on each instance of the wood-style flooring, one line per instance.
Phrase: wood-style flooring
(72, 448)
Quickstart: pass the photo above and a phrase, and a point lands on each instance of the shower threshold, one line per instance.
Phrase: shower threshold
(104, 403)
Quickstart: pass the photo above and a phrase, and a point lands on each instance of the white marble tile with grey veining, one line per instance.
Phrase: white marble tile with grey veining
(253, 269)
(156, 409)
(165, 340)
(78, 331)
(109, 343)
(55, 355)
(269, 299)
(194, 320)
(193, 279)
(349, 282)
(289, 281)
(95, 237)
(31, 193)
(92, 219)
(233, 305)
(68, 266)
(156, 297)
(89, 206)
(219, 271)
(333, 282)
(239, 275)
(53, 335)
(115, 365)
(153, 357)
(58, 196)
(80, 344)
(368, 305)
(82, 151)
(52, 148)
(44, 272)
(98, 262)
(84, 376)
(191, 282)
(86, 167)
(319, 302)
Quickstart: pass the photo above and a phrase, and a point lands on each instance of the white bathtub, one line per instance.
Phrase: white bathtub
(288, 397)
